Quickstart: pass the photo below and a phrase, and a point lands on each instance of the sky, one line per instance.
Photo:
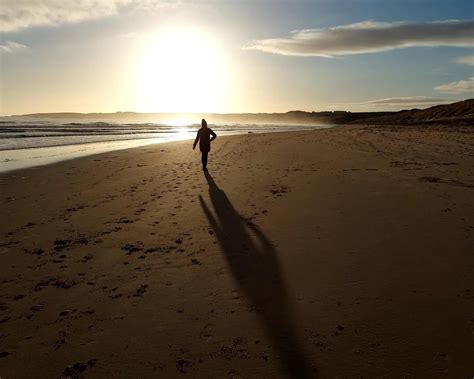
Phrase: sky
(228, 56)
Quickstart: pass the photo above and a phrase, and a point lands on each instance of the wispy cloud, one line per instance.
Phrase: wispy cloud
(11, 47)
(22, 14)
(462, 86)
(392, 103)
(410, 100)
(469, 60)
(369, 37)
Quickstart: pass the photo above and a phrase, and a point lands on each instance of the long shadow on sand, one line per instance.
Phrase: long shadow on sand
(253, 261)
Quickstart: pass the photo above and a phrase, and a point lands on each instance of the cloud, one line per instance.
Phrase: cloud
(391, 103)
(10, 47)
(462, 86)
(469, 60)
(409, 101)
(369, 37)
(17, 15)
(21, 14)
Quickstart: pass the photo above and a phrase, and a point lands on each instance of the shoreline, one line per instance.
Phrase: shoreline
(96, 147)
(323, 252)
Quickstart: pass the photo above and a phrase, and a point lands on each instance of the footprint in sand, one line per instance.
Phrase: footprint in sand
(86, 258)
(140, 291)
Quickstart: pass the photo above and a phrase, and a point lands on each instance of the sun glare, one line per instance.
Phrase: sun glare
(178, 121)
(182, 70)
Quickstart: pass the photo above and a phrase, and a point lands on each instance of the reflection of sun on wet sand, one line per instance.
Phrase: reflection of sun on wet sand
(328, 252)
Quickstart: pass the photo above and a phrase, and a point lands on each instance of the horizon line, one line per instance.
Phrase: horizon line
(225, 114)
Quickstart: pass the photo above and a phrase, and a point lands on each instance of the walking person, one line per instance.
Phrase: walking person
(204, 137)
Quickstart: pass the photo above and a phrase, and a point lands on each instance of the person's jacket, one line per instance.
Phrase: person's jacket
(204, 138)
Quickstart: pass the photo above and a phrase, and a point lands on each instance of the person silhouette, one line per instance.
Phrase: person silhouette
(204, 137)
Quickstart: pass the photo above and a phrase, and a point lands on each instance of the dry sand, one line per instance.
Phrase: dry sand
(340, 253)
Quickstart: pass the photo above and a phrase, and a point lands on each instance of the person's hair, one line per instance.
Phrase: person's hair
(203, 122)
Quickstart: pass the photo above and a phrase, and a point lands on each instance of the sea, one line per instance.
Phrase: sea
(29, 142)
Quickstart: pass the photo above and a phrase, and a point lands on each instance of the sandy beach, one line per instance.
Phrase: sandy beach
(344, 252)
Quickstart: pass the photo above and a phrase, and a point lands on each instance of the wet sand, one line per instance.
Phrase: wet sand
(342, 252)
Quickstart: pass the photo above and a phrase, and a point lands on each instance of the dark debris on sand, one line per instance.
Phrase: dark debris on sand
(183, 364)
(74, 370)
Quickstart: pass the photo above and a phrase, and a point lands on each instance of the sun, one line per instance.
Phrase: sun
(182, 70)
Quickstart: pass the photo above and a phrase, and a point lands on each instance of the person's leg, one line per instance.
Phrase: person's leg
(204, 159)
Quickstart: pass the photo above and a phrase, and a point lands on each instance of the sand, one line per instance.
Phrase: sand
(334, 253)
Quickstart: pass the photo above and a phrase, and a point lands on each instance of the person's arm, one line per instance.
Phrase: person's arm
(214, 136)
(196, 140)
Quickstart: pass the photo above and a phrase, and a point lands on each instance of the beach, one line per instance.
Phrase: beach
(343, 252)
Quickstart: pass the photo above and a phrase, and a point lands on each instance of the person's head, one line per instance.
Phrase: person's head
(204, 123)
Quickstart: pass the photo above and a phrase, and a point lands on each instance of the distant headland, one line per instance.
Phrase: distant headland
(460, 113)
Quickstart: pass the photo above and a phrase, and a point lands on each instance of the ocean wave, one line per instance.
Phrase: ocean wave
(37, 136)
(83, 134)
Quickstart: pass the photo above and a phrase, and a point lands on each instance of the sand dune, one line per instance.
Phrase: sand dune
(459, 113)
(340, 253)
